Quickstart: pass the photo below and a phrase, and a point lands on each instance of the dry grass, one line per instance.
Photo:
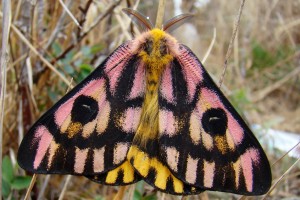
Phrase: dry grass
(47, 48)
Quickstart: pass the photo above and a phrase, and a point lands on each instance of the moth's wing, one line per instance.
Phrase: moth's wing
(122, 175)
(86, 132)
(203, 140)
(148, 164)
(125, 174)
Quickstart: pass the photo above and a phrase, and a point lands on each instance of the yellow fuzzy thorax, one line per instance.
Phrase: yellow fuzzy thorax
(156, 57)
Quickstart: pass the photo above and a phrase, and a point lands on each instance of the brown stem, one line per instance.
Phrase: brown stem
(160, 14)
(236, 26)
(84, 34)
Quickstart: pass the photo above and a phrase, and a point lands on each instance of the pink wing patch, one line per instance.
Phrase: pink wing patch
(248, 159)
(114, 74)
(167, 123)
(166, 88)
(98, 162)
(80, 158)
(115, 65)
(191, 70)
(94, 88)
(131, 119)
(44, 138)
(138, 88)
(209, 99)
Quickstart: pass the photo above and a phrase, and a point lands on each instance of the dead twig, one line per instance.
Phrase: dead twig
(33, 179)
(69, 13)
(160, 14)
(83, 18)
(294, 147)
(264, 92)
(6, 24)
(44, 186)
(210, 47)
(84, 34)
(62, 194)
(229, 50)
(35, 51)
(280, 179)
(58, 27)
(121, 192)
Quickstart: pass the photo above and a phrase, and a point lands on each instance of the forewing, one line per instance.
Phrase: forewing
(203, 140)
(88, 131)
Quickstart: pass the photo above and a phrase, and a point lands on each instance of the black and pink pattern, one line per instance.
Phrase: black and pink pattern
(202, 143)
(75, 135)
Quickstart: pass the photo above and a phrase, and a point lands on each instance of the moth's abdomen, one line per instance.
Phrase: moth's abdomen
(155, 56)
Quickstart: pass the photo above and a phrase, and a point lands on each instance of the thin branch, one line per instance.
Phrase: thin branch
(160, 14)
(125, 24)
(83, 16)
(58, 26)
(210, 47)
(69, 13)
(121, 192)
(264, 92)
(280, 179)
(84, 34)
(110, 8)
(6, 23)
(35, 51)
(62, 194)
(32, 182)
(131, 191)
(294, 147)
(229, 50)
(17, 11)
(44, 186)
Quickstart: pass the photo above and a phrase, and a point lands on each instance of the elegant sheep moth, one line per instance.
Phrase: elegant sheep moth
(149, 112)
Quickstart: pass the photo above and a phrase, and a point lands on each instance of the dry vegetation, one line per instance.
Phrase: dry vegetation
(262, 79)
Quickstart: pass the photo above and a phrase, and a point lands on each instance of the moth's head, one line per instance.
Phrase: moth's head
(155, 45)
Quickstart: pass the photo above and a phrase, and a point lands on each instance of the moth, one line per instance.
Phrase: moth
(149, 112)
